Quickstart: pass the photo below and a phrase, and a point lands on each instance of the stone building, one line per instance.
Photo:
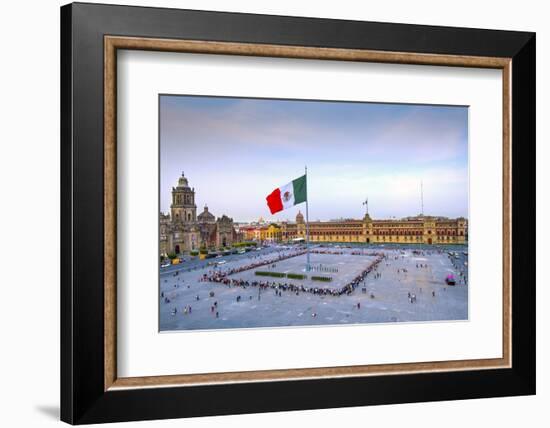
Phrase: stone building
(183, 230)
(419, 229)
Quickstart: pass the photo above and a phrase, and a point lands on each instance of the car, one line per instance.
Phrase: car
(450, 280)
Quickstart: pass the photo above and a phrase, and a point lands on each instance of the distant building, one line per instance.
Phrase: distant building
(258, 231)
(419, 229)
(182, 230)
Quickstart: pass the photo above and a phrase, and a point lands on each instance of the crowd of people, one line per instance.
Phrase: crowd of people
(321, 268)
(461, 269)
(339, 252)
(222, 277)
(350, 287)
(278, 286)
(264, 262)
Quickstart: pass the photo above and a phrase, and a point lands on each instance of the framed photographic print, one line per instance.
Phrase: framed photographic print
(265, 213)
(281, 272)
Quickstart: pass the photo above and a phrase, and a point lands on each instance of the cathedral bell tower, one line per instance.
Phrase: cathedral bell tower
(183, 208)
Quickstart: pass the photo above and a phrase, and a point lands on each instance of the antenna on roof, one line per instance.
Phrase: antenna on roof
(421, 198)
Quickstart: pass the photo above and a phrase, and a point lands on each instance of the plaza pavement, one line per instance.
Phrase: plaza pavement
(386, 298)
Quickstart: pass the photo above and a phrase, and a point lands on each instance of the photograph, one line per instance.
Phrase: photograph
(289, 212)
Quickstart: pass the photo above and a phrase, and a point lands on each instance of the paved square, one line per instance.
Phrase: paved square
(341, 268)
(407, 285)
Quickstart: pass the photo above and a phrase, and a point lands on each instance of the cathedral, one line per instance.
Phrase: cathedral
(183, 230)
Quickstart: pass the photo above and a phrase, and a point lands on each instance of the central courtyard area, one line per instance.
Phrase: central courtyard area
(341, 268)
(389, 285)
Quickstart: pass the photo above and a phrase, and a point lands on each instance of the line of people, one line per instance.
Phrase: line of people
(261, 263)
(223, 278)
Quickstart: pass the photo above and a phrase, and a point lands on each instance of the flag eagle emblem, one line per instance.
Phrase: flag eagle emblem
(286, 196)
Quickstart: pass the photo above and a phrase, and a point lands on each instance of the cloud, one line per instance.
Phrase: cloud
(235, 151)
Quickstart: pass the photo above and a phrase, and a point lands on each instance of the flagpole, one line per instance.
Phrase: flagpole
(307, 228)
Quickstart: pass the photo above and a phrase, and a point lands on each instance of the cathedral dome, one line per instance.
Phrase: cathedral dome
(299, 217)
(182, 181)
(206, 216)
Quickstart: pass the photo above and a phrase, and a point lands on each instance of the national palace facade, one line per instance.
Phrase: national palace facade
(183, 230)
(420, 229)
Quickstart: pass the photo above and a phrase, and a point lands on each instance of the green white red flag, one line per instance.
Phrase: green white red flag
(287, 196)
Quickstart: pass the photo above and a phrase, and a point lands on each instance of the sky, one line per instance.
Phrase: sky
(235, 151)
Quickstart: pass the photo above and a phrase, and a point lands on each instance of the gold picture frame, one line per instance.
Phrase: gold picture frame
(114, 43)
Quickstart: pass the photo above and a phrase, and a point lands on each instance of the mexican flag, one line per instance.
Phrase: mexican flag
(288, 195)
